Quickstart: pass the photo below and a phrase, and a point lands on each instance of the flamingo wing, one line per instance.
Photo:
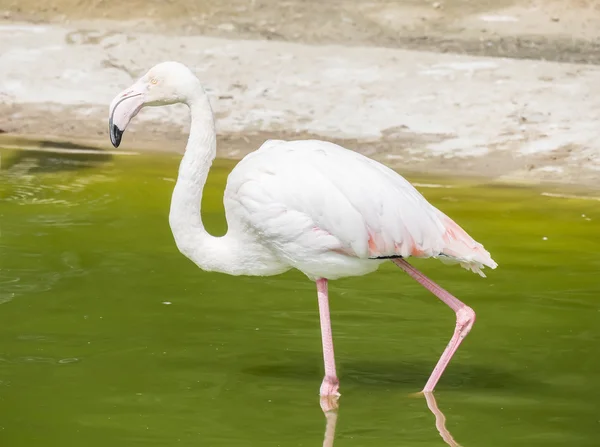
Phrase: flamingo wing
(307, 197)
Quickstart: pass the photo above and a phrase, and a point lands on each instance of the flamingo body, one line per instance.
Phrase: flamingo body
(331, 213)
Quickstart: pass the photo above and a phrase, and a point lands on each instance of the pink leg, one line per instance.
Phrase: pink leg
(465, 317)
(331, 384)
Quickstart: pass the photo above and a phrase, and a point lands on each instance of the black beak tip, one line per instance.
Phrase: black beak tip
(115, 134)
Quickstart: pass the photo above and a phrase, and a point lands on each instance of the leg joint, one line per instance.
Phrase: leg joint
(465, 318)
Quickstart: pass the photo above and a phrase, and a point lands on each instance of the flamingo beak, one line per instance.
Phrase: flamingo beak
(123, 108)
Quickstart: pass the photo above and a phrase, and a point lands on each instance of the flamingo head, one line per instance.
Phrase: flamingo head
(164, 84)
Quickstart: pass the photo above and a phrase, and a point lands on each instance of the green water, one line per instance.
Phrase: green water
(91, 354)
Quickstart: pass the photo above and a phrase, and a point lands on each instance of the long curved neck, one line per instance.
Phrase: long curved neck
(208, 252)
(236, 253)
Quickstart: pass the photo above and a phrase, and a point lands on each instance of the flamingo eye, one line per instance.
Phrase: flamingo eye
(154, 81)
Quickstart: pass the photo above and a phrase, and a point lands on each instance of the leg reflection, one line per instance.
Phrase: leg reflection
(329, 405)
(440, 420)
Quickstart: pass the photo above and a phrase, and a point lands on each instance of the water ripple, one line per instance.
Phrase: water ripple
(17, 282)
(27, 189)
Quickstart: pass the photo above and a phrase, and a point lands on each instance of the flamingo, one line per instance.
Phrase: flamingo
(309, 205)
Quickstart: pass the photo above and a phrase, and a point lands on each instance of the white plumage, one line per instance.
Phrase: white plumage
(310, 205)
(330, 212)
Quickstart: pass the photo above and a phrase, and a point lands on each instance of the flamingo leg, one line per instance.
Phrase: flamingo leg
(331, 383)
(465, 317)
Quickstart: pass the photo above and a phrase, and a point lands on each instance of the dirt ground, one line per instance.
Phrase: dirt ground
(536, 112)
(556, 30)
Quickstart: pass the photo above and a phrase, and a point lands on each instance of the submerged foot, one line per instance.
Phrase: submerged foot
(329, 403)
(330, 386)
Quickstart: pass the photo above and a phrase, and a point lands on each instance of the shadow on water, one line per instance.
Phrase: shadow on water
(56, 156)
(67, 145)
(400, 374)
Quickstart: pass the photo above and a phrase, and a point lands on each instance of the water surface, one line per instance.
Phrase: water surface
(109, 336)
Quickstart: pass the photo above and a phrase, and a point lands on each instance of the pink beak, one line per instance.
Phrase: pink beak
(123, 108)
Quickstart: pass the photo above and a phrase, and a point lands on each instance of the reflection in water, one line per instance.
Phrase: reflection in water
(330, 406)
(440, 420)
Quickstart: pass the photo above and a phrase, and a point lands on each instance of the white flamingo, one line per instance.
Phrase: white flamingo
(311, 205)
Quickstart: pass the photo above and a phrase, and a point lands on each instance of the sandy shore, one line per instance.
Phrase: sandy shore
(509, 118)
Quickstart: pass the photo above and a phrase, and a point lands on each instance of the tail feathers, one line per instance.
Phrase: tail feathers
(468, 264)
(460, 248)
